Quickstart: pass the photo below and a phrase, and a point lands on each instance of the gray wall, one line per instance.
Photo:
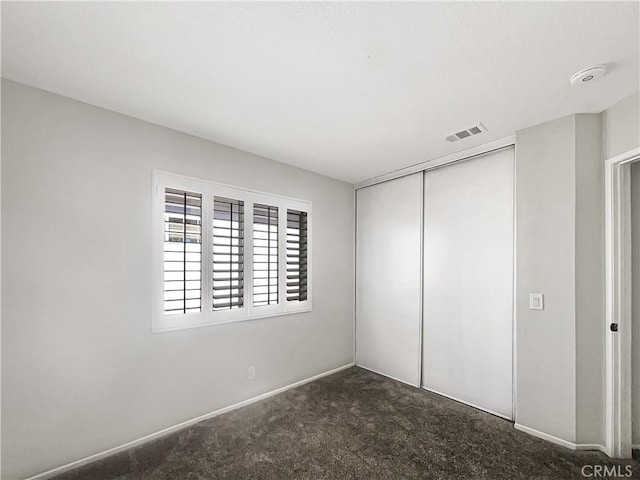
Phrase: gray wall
(559, 248)
(560, 252)
(589, 274)
(621, 126)
(81, 370)
(545, 263)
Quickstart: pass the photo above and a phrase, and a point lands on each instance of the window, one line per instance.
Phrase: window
(182, 251)
(265, 255)
(228, 253)
(224, 254)
(296, 255)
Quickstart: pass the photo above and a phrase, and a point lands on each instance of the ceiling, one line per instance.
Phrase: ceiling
(349, 90)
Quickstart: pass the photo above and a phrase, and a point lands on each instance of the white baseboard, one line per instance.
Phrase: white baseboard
(436, 392)
(506, 417)
(388, 376)
(179, 426)
(559, 441)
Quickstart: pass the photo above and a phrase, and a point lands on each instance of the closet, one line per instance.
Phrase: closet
(434, 280)
(388, 278)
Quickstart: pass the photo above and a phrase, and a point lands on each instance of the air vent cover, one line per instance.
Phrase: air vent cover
(467, 132)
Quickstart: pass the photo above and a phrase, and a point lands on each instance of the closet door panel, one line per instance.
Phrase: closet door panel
(468, 281)
(388, 278)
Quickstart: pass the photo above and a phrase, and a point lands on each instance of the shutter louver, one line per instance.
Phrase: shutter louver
(265, 255)
(228, 253)
(296, 255)
(182, 251)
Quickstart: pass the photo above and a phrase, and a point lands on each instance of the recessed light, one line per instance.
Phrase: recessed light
(588, 75)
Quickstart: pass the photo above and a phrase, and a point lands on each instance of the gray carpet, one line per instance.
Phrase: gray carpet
(357, 425)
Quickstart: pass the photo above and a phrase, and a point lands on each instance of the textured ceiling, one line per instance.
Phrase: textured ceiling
(350, 90)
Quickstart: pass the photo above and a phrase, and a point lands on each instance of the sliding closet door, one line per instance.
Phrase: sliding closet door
(468, 281)
(388, 283)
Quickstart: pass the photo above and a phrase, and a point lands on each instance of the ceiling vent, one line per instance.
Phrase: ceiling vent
(467, 132)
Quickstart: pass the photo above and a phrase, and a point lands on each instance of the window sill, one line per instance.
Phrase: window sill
(162, 329)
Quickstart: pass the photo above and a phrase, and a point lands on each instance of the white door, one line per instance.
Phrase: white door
(388, 283)
(468, 282)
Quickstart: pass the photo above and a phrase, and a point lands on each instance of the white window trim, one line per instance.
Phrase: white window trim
(207, 316)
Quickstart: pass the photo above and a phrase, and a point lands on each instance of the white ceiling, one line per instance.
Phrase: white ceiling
(350, 90)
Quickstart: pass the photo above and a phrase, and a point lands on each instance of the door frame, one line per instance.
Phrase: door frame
(618, 440)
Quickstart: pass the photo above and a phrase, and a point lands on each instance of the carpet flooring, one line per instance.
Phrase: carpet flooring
(351, 425)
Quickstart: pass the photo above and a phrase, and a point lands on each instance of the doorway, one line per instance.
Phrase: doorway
(619, 383)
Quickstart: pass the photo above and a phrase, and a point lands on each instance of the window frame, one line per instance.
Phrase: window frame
(207, 316)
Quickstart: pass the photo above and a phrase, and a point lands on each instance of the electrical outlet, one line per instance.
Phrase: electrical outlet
(252, 372)
(536, 301)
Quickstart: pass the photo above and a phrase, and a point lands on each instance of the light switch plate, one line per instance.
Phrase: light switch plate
(536, 301)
